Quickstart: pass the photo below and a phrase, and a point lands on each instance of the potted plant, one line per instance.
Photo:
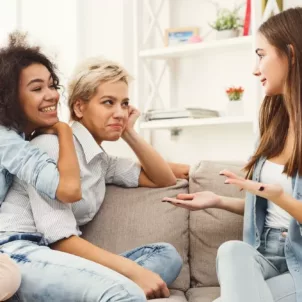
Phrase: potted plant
(227, 23)
(234, 107)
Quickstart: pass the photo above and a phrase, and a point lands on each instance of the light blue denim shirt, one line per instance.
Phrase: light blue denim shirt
(26, 161)
(254, 220)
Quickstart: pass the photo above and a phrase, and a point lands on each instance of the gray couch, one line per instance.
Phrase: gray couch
(132, 217)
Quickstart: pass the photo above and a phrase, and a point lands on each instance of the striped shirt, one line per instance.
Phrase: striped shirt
(26, 210)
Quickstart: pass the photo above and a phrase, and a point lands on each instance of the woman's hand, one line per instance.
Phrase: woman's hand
(273, 192)
(196, 201)
(132, 118)
(54, 129)
(151, 283)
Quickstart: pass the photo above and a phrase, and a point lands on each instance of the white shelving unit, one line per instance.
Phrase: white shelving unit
(196, 75)
(194, 49)
(190, 122)
(147, 25)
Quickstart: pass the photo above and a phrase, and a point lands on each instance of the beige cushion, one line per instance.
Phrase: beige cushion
(176, 296)
(210, 228)
(130, 218)
(203, 294)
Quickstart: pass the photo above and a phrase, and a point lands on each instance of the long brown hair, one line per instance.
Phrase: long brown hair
(283, 31)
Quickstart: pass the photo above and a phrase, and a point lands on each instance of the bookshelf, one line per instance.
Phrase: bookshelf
(194, 122)
(195, 49)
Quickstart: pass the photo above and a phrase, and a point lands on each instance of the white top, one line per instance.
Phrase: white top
(273, 174)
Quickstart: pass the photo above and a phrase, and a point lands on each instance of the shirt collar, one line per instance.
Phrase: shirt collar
(89, 145)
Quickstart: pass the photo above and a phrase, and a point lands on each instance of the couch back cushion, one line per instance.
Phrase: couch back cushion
(129, 218)
(210, 228)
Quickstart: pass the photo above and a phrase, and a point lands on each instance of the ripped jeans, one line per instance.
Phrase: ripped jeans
(49, 275)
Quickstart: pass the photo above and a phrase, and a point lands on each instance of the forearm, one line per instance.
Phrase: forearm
(290, 205)
(82, 248)
(154, 166)
(234, 205)
(69, 188)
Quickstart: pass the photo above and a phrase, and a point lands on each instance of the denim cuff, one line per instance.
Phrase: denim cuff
(48, 180)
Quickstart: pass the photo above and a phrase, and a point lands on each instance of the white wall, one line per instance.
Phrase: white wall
(291, 3)
(8, 18)
(106, 29)
(43, 21)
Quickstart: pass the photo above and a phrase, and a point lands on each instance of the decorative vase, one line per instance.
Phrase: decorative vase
(235, 108)
(226, 34)
(195, 39)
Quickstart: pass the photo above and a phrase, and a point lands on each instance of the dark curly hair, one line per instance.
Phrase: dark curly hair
(13, 58)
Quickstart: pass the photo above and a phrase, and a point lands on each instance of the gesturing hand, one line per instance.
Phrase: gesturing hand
(196, 201)
(269, 191)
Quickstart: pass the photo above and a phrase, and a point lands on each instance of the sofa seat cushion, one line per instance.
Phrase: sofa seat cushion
(176, 296)
(203, 294)
(131, 217)
(210, 228)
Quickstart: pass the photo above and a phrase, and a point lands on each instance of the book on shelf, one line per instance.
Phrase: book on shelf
(173, 113)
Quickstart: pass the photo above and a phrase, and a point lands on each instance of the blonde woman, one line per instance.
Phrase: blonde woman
(30, 223)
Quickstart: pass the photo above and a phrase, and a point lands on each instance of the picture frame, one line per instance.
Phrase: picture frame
(181, 35)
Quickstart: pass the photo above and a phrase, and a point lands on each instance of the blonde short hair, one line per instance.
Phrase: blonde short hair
(87, 77)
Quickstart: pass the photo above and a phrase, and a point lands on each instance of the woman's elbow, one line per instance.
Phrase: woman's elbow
(69, 193)
(75, 196)
(171, 181)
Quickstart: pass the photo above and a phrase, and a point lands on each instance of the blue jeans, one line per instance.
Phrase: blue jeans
(248, 275)
(49, 275)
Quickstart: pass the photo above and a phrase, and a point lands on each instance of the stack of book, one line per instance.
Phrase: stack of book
(180, 113)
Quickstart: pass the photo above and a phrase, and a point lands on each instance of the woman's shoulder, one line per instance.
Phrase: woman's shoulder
(7, 133)
(48, 143)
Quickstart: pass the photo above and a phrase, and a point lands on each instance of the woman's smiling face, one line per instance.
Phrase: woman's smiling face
(38, 97)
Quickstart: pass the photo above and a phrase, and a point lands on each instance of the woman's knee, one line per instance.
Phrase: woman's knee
(10, 277)
(233, 251)
(171, 261)
(173, 255)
